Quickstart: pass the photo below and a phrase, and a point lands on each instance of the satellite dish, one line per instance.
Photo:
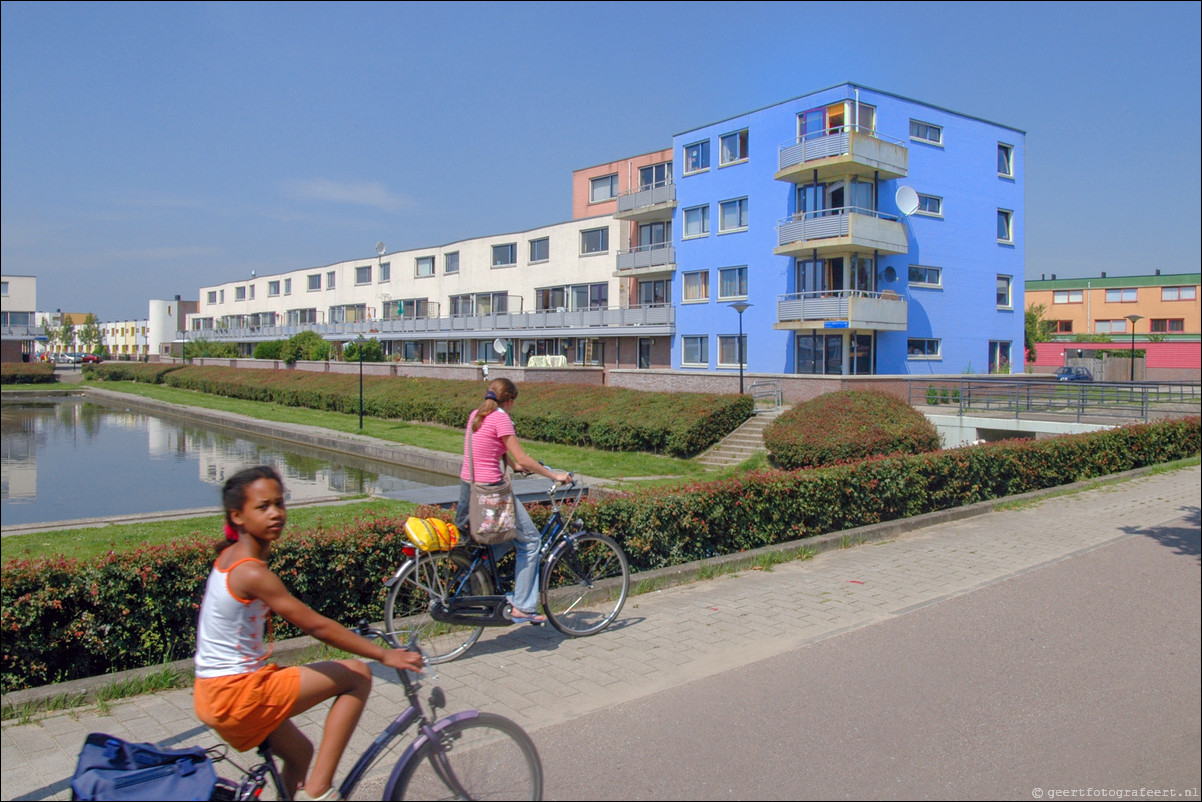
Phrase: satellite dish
(499, 346)
(379, 248)
(907, 200)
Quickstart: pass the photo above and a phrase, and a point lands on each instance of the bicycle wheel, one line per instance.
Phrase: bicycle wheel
(584, 584)
(490, 756)
(429, 578)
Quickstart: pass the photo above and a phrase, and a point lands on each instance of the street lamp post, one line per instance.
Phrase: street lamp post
(359, 341)
(1133, 318)
(741, 307)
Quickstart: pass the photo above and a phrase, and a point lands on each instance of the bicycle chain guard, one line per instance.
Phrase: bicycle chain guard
(476, 611)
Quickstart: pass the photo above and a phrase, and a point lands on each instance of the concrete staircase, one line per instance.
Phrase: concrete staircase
(743, 442)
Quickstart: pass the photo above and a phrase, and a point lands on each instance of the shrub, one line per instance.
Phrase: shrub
(269, 350)
(372, 351)
(145, 372)
(27, 373)
(307, 346)
(202, 348)
(847, 425)
(933, 395)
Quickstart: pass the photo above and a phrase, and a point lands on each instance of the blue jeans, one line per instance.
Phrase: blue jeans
(525, 578)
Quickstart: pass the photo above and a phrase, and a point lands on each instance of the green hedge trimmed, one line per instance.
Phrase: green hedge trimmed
(27, 373)
(847, 425)
(65, 619)
(144, 372)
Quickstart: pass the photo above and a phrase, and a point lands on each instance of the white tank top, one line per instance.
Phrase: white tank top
(229, 634)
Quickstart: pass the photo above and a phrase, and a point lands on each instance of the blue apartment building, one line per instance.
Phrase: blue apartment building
(866, 232)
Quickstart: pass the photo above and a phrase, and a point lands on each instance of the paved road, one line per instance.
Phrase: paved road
(1051, 646)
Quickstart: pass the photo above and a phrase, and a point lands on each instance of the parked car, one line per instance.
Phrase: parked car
(1067, 374)
(89, 358)
(67, 359)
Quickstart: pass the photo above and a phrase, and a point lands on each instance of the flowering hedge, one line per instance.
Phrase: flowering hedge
(847, 425)
(64, 619)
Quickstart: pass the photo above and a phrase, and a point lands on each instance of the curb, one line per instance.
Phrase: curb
(85, 689)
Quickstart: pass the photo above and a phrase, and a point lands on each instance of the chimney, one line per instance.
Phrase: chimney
(1158, 271)
(177, 297)
(1103, 274)
(1053, 277)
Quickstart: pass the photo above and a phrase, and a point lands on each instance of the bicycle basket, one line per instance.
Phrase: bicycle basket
(431, 534)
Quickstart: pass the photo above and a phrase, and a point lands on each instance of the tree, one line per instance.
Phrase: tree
(1038, 330)
(201, 348)
(90, 334)
(372, 351)
(66, 334)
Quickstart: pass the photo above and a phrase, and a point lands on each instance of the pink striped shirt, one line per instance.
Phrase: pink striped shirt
(488, 446)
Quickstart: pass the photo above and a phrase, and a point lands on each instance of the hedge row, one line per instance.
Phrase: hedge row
(63, 619)
(847, 425)
(144, 372)
(679, 424)
(27, 373)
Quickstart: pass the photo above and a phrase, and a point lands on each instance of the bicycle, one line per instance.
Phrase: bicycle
(447, 598)
(466, 755)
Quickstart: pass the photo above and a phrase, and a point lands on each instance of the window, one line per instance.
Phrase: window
(252, 292)
(540, 250)
(696, 351)
(603, 188)
(299, 317)
(363, 275)
(239, 293)
(734, 147)
(4, 288)
(1067, 297)
(1005, 221)
(1110, 326)
(505, 255)
(930, 205)
(221, 296)
(287, 286)
(697, 221)
(423, 266)
(922, 348)
(1178, 293)
(273, 288)
(213, 296)
(926, 132)
(697, 286)
(926, 276)
(330, 279)
(1005, 160)
(450, 262)
(1003, 292)
(730, 348)
(385, 272)
(697, 157)
(732, 283)
(999, 356)
(1123, 296)
(595, 240)
(1168, 325)
(656, 175)
(732, 215)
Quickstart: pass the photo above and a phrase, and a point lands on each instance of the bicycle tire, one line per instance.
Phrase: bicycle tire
(584, 584)
(431, 577)
(491, 757)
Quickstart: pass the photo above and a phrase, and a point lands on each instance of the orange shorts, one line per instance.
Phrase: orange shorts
(245, 708)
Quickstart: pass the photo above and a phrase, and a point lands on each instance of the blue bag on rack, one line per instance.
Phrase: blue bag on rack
(110, 768)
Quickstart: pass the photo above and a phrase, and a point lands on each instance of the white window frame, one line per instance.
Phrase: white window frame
(546, 257)
(1068, 297)
(1008, 150)
(602, 246)
(609, 189)
(700, 343)
(1122, 295)
(1008, 301)
(273, 289)
(287, 286)
(448, 260)
(500, 250)
(696, 282)
(724, 344)
(360, 279)
(1178, 293)
(922, 131)
(927, 352)
(385, 273)
(704, 221)
(239, 293)
(741, 207)
(743, 147)
(740, 270)
(703, 150)
(423, 267)
(331, 280)
(925, 204)
(927, 273)
(212, 298)
(1008, 216)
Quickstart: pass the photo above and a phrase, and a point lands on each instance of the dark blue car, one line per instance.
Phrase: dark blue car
(1067, 374)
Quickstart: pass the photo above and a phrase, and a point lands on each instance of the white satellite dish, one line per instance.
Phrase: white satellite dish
(379, 249)
(499, 346)
(907, 200)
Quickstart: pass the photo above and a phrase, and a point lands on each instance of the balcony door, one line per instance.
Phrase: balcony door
(651, 234)
(819, 275)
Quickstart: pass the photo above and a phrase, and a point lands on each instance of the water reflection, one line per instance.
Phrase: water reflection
(79, 459)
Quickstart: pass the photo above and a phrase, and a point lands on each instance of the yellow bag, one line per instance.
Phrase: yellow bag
(431, 534)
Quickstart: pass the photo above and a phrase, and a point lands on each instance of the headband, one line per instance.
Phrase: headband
(231, 534)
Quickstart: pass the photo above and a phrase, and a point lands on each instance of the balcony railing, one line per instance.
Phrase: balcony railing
(646, 256)
(875, 229)
(20, 332)
(644, 196)
(633, 318)
(865, 147)
(856, 309)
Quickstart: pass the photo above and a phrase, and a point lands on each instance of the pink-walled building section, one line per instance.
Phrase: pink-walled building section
(1168, 355)
(627, 174)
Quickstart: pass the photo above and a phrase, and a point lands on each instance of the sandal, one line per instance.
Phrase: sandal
(522, 617)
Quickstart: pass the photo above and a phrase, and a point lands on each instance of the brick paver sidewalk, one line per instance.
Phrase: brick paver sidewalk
(669, 637)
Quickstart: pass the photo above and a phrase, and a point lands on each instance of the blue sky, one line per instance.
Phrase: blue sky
(149, 149)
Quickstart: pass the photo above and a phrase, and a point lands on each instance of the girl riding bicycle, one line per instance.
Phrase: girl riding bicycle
(238, 693)
(494, 439)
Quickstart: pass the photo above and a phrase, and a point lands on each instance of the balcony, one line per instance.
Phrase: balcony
(649, 204)
(642, 321)
(841, 309)
(841, 153)
(647, 261)
(849, 229)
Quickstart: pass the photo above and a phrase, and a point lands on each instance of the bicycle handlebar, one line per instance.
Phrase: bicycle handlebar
(364, 630)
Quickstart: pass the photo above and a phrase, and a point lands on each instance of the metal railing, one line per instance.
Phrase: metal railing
(823, 223)
(824, 144)
(649, 195)
(1100, 401)
(767, 394)
(643, 256)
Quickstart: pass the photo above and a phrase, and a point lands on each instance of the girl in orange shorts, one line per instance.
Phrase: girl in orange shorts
(247, 700)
